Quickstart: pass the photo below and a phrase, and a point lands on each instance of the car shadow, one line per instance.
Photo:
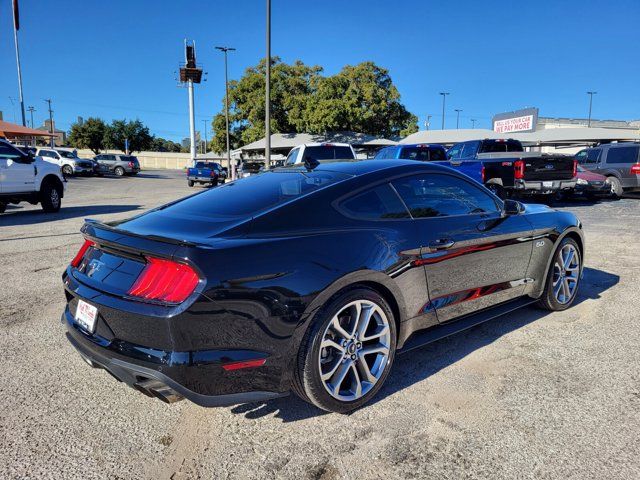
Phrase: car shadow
(421, 363)
(28, 217)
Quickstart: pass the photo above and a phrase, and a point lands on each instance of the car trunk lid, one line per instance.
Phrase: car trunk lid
(548, 168)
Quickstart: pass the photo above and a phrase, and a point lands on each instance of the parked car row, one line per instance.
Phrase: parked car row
(103, 164)
(506, 169)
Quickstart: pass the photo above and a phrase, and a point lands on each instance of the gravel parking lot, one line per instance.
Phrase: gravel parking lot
(531, 395)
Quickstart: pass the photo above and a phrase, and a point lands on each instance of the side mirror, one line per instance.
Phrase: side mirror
(512, 207)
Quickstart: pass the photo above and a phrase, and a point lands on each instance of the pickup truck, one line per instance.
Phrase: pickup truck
(27, 178)
(426, 152)
(206, 173)
(508, 170)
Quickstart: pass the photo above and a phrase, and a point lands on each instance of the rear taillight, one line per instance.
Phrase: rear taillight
(482, 173)
(213, 173)
(80, 255)
(575, 168)
(635, 169)
(518, 169)
(131, 164)
(165, 281)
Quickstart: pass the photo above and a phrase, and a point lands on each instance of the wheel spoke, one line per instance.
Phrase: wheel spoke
(567, 288)
(375, 349)
(357, 381)
(363, 321)
(356, 318)
(335, 324)
(339, 376)
(557, 287)
(383, 331)
(332, 370)
(330, 343)
(569, 259)
(365, 371)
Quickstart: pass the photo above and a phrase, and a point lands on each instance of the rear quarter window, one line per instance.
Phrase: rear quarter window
(378, 203)
(623, 154)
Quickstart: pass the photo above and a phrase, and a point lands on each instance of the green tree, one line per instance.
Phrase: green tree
(134, 131)
(360, 98)
(291, 86)
(159, 144)
(89, 134)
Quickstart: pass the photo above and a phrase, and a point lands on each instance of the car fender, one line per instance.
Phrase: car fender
(557, 239)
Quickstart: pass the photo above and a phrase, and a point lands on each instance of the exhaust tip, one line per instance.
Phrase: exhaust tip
(155, 388)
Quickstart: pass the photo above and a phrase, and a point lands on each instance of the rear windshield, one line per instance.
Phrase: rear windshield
(254, 194)
(328, 152)
(496, 146)
(423, 154)
(129, 158)
(211, 165)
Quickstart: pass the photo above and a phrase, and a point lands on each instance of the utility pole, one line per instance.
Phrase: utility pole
(51, 130)
(444, 96)
(205, 136)
(473, 123)
(457, 110)
(427, 124)
(267, 100)
(591, 94)
(31, 110)
(226, 106)
(190, 73)
(16, 27)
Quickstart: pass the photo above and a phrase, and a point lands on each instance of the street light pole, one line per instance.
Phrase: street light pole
(205, 135)
(226, 106)
(473, 123)
(52, 141)
(427, 124)
(591, 94)
(267, 100)
(444, 96)
(16, 26)
(457, 110)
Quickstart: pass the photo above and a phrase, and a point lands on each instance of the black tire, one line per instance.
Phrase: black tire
(50, 197)
(498, 190)
(67, 170)
(548, 300)
(616, 186)
(190, 183)
(119, 171)
(308, 383)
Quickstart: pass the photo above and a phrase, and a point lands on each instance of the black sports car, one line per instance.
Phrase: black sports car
(309, 279)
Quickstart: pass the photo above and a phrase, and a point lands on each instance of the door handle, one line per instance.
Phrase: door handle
(442, 244)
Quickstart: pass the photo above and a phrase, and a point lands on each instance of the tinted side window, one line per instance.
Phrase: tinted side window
(9, 152)
(291, 158)
(442, 195)
(437, 154)
(593, 155)
(622, 155)
(455, 151)
(470, 149)
(46, 153)
(377, 203)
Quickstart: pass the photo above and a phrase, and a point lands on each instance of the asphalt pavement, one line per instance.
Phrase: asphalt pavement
(530, 395)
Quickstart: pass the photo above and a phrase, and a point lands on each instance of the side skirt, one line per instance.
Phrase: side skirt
(430, 335)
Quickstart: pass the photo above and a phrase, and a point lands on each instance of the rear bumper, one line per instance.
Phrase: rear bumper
(195, 178)
(600, 190)
(169, 376)
(539, 187)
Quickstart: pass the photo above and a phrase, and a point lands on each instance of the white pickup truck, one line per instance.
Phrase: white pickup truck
(25, 178)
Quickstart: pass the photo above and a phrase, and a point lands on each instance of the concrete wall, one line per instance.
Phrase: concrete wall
(153, 160)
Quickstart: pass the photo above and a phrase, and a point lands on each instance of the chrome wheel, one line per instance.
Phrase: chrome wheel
(355, 348)
(55, 198)
(566, 271)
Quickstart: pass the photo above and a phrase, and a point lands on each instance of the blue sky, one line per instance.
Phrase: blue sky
(116, 59)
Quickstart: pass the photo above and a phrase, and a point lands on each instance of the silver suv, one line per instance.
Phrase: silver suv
(117, 164)
(619, 162)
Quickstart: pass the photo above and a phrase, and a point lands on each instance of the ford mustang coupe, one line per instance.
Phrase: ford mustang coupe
(309, 279)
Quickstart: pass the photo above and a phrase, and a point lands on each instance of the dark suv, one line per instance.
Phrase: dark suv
(619, 162)
(117, 164)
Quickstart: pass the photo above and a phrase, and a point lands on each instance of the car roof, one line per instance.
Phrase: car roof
(361, 167)
(320, 144)
(420, 145)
